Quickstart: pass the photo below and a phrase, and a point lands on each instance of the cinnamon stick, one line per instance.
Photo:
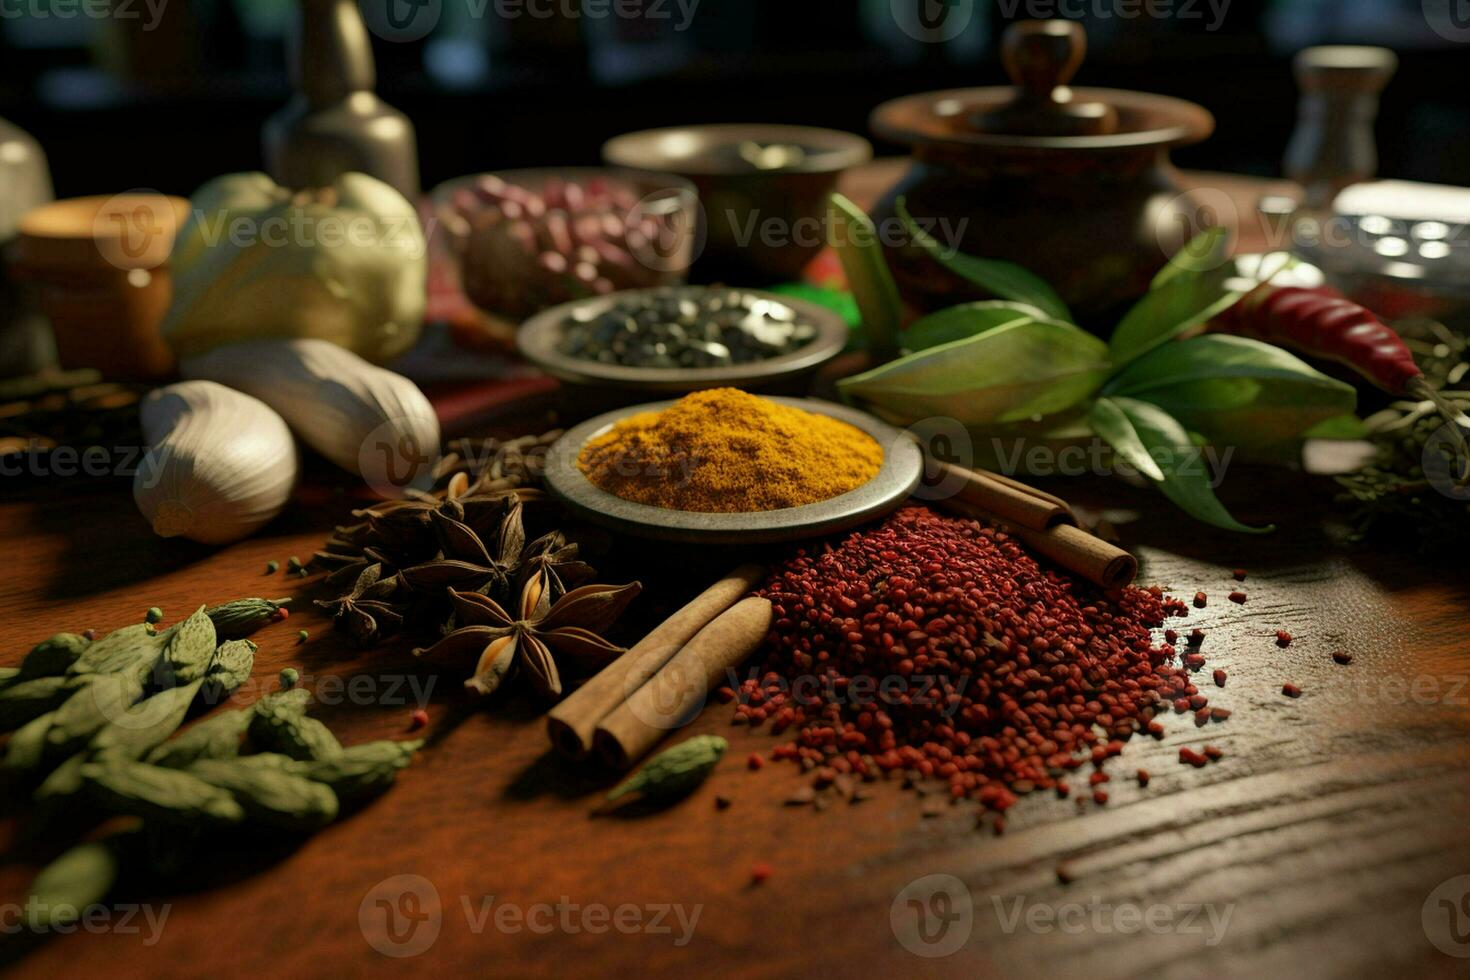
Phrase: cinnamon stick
(1068, 546)
(678, 691)
(572, 722)
(1010, 499)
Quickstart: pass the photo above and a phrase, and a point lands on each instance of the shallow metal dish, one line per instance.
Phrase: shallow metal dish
(539, 338)
(902, 467)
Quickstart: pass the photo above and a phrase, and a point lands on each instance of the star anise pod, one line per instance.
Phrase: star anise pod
(465, 561)
(531, 640)
(554, 559)
(367, 612)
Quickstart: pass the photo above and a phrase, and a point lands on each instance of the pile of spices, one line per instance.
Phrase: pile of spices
(726, 451)
(937, 646)
(686, 328)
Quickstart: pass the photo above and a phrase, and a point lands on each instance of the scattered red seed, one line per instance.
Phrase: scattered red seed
(418, 719)
(1238, 598)
(1240, 575)
(1171, 636)
(1213, 753)
(759, 872)
(1342, 658)
(1062, 788)
(1200, 600)
(725, 695)
(1099, 796)
(1291, 690)
(1143, 777)
(1198, 701)
(1194, 661)
(1196, 636)
(1193, 758)
(1219, 714)
(1098, 777)
(1065, 875)
(1201, 717)
(1181, 705)
(1283, 638)
(999, 826)
(1156, 729)
(1219, 678)
(754, 761)
(282, 613)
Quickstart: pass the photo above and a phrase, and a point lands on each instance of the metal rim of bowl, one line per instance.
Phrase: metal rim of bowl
(537, 340)
(836, 149)
(903, 466)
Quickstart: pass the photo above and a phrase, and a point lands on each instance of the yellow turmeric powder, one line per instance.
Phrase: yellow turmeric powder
(726, 451)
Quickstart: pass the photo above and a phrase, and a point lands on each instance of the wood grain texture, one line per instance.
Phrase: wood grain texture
(1314, 842)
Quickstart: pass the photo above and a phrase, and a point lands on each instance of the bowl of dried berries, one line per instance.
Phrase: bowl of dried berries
(677, 339)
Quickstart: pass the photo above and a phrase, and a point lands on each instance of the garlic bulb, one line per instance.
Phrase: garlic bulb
(367, 420)
(220, 465)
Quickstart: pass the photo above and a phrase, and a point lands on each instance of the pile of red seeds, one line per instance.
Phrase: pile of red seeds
(999, 675)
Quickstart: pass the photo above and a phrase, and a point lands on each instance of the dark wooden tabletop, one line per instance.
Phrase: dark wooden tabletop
(1323, 843)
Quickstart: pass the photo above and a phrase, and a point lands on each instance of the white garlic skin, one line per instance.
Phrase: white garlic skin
(364, 418)
(220, 464)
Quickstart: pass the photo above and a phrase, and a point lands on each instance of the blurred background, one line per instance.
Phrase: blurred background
(165, 94)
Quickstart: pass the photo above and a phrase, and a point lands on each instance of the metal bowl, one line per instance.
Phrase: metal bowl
(539, 339)
(902, 467)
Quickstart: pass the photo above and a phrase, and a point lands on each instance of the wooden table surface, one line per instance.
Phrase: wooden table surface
(1311, 849)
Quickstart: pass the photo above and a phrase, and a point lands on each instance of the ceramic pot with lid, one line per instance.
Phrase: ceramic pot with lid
(1075, 184)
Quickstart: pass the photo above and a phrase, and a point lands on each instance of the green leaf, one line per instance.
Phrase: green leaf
(1339, 427)
(1236, 391)
(1111, 423)
(1205, 252)
(1005, 279)
(855, 239)
(1183, 301)
(966, 320)
(1186, 478)
(1008, 373)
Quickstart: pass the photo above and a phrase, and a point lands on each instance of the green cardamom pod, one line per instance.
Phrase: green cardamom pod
(280, 725)
(54, 656)
(28, 745)
(64, 889)
(132, 649)
(232, 664)
(90, 708)
(272, 796)
(64, 781)
(674, 771)
(145, 724)
(9, 675)
(155, 793)
(218, 737)
(20, 703)
(234, 620)
(188, 652)
(362, 771)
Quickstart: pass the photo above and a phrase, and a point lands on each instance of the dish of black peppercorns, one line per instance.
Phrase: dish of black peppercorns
(682, 338)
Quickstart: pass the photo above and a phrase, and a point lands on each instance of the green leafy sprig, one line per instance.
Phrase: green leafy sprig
(1151, 396)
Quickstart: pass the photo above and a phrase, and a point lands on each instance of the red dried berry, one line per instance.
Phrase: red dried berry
(1219, 678)
(759, 872)
(1240, 575)
(1213, 753)
(418, 719)
(1200, 600)
(1143, 777)
(1291, 690)
(754, 761)
(1196, 636)
(1099, 796)
(1342, 658)
(1238, 598)
(1219, 714)
(1283, 638)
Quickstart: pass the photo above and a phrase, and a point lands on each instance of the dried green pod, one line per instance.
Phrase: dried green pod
(53, 656)
(291, 733)
(27, 700)
(156, 793)
(145, 724)
(271, 795)
(233, 661)
(674, 771)
(362, 770)
(91, 707)
(64, 781)
(132, 649)
(8, 676)
(27, 746)
(79, 878)
(188, 652)
(213, 738)
(238, 619)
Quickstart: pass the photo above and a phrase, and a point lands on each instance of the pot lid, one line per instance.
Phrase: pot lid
(1042, 111)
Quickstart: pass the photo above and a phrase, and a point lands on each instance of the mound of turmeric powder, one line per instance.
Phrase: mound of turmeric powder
(727, 451)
